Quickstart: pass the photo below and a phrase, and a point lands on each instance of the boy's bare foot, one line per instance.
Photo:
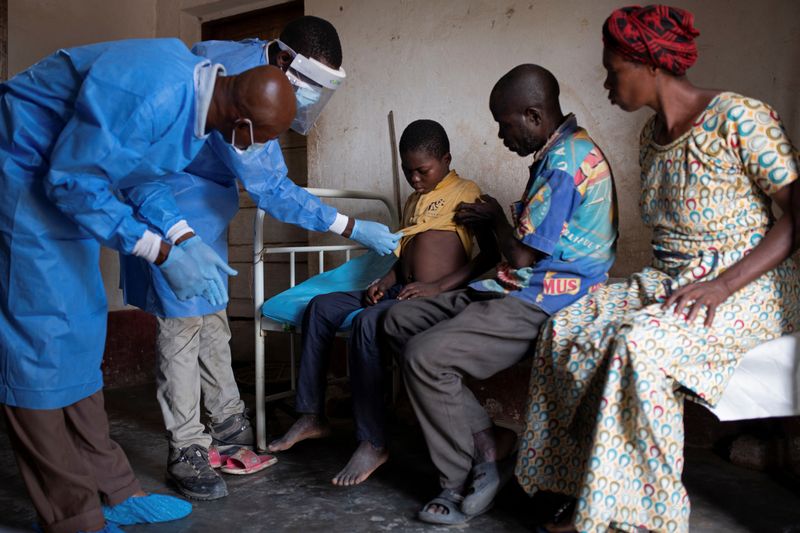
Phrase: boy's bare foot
(363, 462)
(306, 427)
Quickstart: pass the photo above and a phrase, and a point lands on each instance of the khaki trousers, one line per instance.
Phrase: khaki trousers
(442, 339)
(194, 356)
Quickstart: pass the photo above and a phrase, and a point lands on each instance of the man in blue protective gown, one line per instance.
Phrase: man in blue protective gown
(75, 129)
(192, 342)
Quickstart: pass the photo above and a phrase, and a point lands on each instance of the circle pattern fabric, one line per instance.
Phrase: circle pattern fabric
(604, 421)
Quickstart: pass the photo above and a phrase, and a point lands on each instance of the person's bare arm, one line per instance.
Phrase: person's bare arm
(486, 259)
(487, 213)
(376, 291)
(773, 249)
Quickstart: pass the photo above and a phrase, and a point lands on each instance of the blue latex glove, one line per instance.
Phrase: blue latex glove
(184, 276)
(211, 267)
(375, 236)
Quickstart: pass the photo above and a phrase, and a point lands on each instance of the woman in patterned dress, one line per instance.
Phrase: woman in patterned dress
(605, 415)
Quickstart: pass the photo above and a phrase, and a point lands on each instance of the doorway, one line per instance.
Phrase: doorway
(264, 24)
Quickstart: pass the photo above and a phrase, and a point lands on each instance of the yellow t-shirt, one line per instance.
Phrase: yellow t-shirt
(434, 210)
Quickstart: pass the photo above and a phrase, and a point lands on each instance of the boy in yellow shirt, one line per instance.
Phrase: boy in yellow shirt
(434, 257)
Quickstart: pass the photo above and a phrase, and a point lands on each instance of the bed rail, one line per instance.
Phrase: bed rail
(261, 324)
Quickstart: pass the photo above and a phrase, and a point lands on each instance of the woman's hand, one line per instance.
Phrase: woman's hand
(708, 294)
(418, 289)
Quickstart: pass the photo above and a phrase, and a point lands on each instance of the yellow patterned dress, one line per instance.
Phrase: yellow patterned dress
(605, 414)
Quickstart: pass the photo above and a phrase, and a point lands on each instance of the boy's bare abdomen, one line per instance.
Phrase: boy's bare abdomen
(430, 256)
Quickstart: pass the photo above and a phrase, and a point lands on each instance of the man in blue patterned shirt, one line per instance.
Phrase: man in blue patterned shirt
(559, 248)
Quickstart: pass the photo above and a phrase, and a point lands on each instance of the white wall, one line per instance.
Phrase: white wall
(440, 59)
(37, 28)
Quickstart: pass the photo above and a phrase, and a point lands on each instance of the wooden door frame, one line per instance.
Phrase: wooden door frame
(3, 40)
(294, 148)
(184, 18)
(282, 12)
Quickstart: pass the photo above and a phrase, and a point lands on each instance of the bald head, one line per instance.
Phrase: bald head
(526, 86)
(262, 96)
(265, 96)
(524, 103)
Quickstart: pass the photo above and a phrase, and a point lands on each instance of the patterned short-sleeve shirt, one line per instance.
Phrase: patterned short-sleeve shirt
(569, 214)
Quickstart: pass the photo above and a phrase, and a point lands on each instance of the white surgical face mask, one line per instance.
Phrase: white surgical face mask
(254, 146)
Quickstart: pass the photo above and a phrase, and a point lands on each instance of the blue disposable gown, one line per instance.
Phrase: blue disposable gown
(207, 194)
(74, 128)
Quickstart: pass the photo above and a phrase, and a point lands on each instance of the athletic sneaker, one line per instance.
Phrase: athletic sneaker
(232, 433)
(189, 469)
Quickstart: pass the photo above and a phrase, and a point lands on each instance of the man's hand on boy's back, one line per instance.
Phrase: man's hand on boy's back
(486, 211)
(487, 214)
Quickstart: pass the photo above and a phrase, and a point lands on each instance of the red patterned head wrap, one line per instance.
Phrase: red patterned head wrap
(658, 35)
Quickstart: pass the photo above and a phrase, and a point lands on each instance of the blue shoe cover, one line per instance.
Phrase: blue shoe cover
(147, 510)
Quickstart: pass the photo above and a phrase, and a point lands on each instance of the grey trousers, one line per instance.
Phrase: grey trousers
(193, 355)
(440, 340)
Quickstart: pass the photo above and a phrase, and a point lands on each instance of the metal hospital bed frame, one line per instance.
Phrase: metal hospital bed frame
(262, 324)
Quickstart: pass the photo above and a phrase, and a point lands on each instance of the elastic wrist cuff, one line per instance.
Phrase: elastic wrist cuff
(177, 231)
(147, 246)
(339, 224)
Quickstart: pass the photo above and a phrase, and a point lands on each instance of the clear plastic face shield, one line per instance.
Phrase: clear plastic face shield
(314, 84)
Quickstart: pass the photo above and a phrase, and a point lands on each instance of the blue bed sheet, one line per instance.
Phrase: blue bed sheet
(287, 308)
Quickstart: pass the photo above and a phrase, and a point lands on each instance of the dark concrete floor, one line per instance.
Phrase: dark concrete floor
(296, 494)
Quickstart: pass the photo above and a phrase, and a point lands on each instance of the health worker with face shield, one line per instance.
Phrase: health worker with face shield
(76, 129)
(192, 346)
